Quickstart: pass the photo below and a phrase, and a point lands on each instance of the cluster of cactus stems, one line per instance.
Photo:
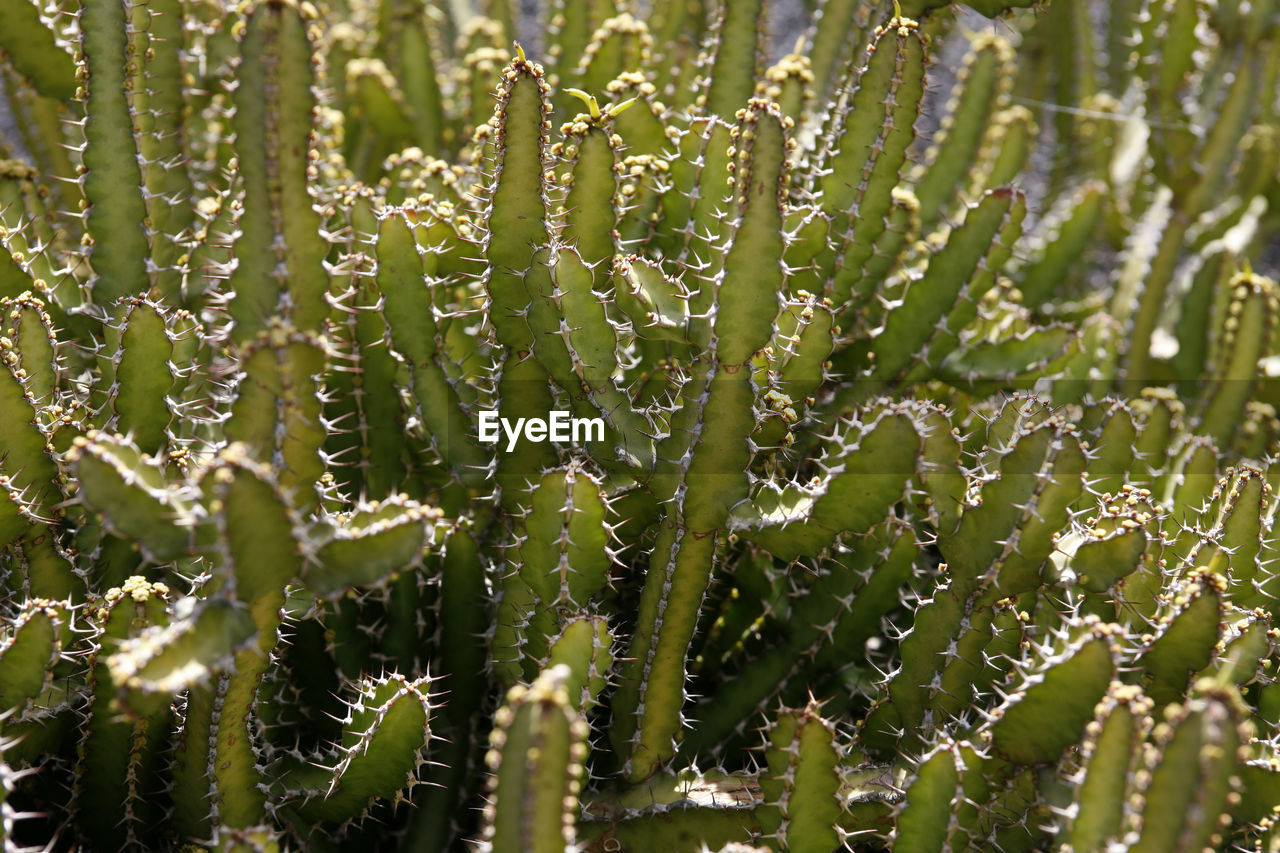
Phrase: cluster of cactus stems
(934, 501)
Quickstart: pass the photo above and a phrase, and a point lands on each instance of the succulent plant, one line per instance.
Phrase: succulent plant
(667, 445)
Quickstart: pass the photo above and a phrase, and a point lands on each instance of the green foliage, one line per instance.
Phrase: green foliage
(932, 504)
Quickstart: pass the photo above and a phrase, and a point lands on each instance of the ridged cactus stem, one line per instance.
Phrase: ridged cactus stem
(536, 757)
(876, 114)
(112, 179)
(279, 250)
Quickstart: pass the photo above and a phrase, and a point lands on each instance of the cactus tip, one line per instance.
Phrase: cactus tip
(618, 109)
(590, 100)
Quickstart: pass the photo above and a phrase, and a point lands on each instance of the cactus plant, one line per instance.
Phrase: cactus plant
(678, 443)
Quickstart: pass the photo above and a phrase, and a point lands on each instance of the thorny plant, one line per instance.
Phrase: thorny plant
(935, 503)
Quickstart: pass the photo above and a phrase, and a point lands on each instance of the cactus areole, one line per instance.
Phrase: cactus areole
(658, 440)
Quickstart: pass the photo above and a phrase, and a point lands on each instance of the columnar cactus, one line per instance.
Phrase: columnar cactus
(682, 444)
